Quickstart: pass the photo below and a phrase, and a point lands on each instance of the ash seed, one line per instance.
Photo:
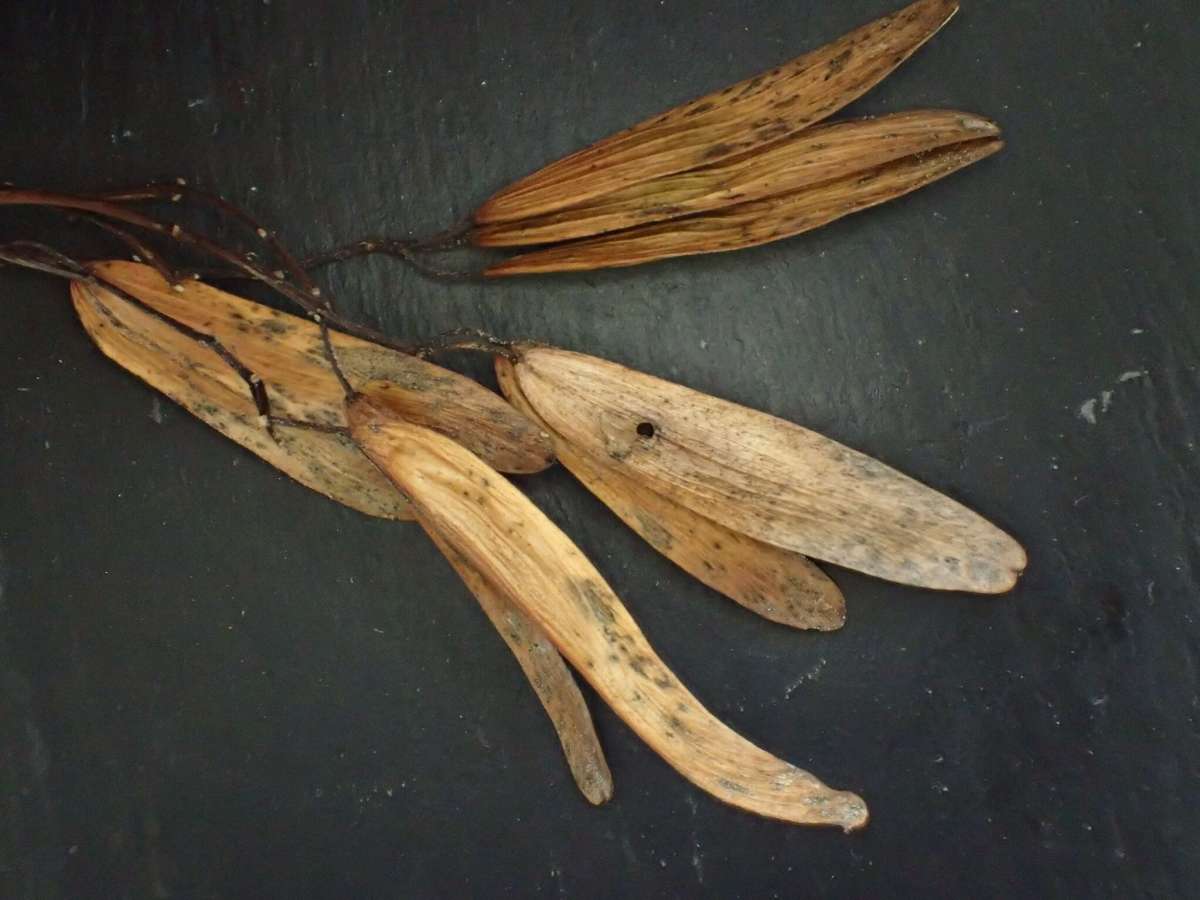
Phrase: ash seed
(316, 292)
(262, 232)
(182, 182)
(175, 198)
(176, 231)
(177, 288)
(279, 274)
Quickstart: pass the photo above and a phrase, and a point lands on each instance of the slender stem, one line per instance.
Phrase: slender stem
(108, 206)
(306, 300)
(179, 190)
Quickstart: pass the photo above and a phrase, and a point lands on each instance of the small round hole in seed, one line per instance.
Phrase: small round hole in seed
(645, 429)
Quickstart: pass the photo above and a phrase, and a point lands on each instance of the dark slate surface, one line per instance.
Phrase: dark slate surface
(214, 684)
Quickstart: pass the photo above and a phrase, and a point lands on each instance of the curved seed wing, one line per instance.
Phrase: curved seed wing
(516, 548)
(547, 673)
(745, 116)
(288, 354)
(776, 584)
(198, 380)
(809, 158)
(767, 478)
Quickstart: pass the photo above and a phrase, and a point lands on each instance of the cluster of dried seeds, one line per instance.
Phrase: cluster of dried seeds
(739, 499)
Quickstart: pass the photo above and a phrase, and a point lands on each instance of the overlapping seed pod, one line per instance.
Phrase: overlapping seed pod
(741, 166)
(777, 584)
(816, 155)
(523, 555)
(293, 364)
(196, 378)
(547, 674)
(287, 353)
(751, 114)
(766, 478)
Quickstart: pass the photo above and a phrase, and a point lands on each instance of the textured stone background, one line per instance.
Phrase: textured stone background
(214, 684)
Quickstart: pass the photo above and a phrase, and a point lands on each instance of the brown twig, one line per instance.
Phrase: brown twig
(180, 190)
(308, 300)
(105, 207)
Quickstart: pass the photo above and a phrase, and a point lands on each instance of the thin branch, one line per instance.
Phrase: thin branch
(141, 250)
(306, 300)
(180, 189)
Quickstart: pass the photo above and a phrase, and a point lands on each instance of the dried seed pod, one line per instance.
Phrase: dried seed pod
(509, 443)
(544, 667)
(776, 584)
(287, 352)
(526, 557)
(751, 114)
(196, 378)
(766, 478)
(813, 156)
(752, 223)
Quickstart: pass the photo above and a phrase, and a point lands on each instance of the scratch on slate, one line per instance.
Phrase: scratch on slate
(697, 859)
(811, 675)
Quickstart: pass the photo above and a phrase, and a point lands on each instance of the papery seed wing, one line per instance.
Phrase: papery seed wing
(767, 478)
(547, 673)
(202, 383)
(776, 584)
(287, 353)
(526, 557)
(813, 156)
(750, 114)
(752, 223)
(509, 443)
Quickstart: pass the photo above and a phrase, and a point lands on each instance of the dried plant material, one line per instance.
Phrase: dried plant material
(287, 352)
(509, 443)
(551, 679)
(813, 156)
(528, 559)
(776, 584)
(767, 478)
(753, 223)
(196, 378)
(740, 118)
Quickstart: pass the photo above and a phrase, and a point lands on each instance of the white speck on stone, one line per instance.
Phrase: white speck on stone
(811, 675)
(1132, 376)
(1087, 411)
(1105, 401)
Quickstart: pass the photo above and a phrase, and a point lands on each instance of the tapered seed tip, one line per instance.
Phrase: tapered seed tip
(857, 814)
(979, 125)
(598, 791)
(1001, 574)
